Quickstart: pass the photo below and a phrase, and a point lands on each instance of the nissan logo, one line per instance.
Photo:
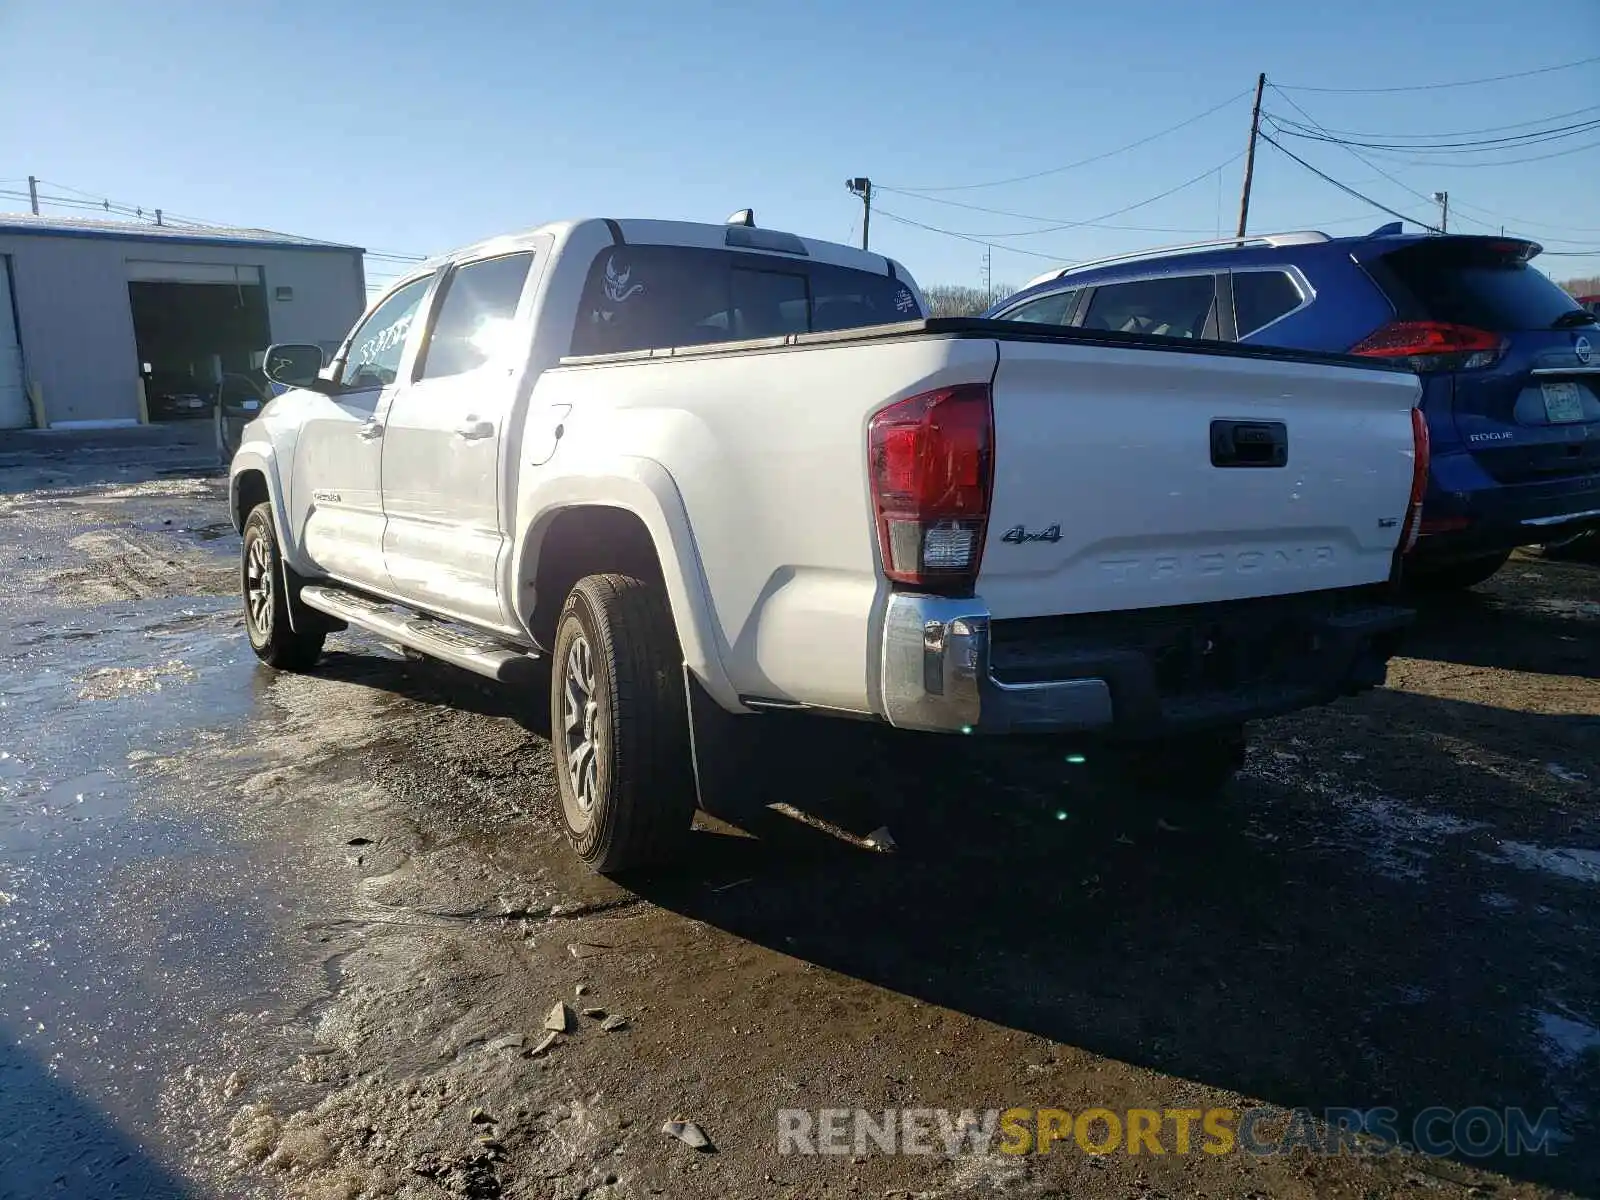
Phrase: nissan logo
(1581, 349)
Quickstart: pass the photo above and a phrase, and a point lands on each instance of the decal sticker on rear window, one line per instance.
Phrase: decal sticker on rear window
(618, 290)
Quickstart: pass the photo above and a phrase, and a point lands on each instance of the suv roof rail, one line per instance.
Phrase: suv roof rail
(1302, 237)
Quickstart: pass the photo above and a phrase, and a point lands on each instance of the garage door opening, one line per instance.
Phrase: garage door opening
(191, 331)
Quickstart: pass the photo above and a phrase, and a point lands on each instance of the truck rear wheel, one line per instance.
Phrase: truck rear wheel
(264, 580)
(619, 725)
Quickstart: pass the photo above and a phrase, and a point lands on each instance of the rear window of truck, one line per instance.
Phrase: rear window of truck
(648, 297)
(1480, 283)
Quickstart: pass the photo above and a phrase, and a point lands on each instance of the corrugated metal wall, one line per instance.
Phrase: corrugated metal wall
(77, 324)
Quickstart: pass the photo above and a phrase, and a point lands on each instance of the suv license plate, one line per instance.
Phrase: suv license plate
(1562, 401)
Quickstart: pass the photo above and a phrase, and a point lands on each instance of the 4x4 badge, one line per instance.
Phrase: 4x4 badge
(1016, 535)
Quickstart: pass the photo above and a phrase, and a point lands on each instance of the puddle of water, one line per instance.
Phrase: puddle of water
(128, 927)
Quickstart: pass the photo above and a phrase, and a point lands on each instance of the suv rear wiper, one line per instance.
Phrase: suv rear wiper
(1576, 316)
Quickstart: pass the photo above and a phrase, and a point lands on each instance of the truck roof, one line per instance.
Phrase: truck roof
(674, 233)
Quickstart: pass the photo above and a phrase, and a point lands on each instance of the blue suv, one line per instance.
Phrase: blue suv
(1508, 362)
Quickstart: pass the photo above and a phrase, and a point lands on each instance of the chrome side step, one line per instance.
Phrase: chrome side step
(456, 644)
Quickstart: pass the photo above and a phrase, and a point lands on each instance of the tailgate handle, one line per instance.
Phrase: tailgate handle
(1249, 444)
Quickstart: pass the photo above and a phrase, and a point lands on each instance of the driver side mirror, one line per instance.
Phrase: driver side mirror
(296, 365)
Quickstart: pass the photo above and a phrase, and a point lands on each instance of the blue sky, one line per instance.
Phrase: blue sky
(414, 127)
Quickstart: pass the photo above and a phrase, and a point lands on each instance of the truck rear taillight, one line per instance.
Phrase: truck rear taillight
(1412, 525)
(1434, 345)
(930, 463)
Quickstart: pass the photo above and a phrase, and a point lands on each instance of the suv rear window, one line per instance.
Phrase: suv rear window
(648, 297)
(1471, 282)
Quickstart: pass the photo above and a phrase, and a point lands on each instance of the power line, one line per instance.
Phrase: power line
(1001, 212)
(91, 201)
(1082, 162)
(1478, 146)
(1508, 220)
(1430, 87)
(1364, 161)
(1499, 162)
(983, 239)
(1499, 218)
(1430, 137)
(967, 237)
(1346, 188)
(1117, 212)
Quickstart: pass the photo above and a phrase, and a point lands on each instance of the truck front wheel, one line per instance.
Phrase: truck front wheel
(619, 725)
(264, 582)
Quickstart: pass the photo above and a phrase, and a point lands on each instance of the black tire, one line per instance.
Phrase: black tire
(1456, 576)
(264, 584)
(1195, 768)
(619, 725)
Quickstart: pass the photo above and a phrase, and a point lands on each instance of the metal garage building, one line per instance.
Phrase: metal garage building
(106, 323)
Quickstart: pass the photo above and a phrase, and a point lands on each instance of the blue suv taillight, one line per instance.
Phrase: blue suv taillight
(1434, 346)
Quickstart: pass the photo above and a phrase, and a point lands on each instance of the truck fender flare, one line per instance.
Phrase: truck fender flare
(646, 489)
(259, 456)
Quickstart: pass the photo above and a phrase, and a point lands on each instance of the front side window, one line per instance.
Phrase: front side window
(476, 317)
(373, 360)
(1171, 306)
(1045, 310)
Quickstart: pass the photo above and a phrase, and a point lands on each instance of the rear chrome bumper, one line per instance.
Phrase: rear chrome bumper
(937, 676)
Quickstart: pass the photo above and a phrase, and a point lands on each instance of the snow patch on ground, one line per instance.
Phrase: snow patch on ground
(1398, 838)
(1566, 1040)
(1580, 865)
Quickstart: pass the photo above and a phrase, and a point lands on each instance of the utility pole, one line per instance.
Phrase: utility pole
(988, 273)
(1250, 156)
(33, 194)
(862, 186)
(1442, 199)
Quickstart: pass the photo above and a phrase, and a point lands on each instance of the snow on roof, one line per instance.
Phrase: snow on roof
(202, 235)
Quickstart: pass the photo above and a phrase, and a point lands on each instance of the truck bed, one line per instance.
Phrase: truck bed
(1106, 495)
(980, 327)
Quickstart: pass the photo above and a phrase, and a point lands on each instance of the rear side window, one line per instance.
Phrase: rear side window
(645, 297)
(1471, 283)
(1261, 297)
(1046, 310)
(1172, 306)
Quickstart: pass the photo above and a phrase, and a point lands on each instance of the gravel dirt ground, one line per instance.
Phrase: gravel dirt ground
(277, 935)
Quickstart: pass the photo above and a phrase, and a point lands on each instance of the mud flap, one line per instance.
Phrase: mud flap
(746, 763)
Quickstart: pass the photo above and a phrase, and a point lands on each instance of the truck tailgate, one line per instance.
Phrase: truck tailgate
(1131, 478)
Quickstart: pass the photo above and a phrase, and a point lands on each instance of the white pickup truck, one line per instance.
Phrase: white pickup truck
(711, 477)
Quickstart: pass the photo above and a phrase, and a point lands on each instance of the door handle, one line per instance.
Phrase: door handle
(1249, 444)
(473, 430)
(370, 431)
